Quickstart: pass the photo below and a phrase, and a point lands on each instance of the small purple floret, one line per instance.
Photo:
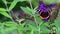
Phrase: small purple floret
(42, 6)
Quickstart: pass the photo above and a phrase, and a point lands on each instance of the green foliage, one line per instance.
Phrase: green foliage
(35, 3)
(57, 23)
(35, 26)
(44, 29)
(4, 12)
(7, 27)
(14, 3)
(27, 10)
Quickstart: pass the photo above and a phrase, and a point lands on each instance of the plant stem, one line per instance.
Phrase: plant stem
(9, 12)
(33, 12)
(34, 17)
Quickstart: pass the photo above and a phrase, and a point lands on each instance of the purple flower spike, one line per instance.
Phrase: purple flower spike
(44, 12)
(42, 6)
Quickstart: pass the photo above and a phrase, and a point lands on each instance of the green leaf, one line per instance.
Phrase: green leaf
(4, 12)
(27, 10)
(35, 7)
(39, 20)
(57, 24)
(32, 31)
(9, 26)
(13, 4)
(35, 3)
(44, 29)
(32, 23)
(10, 23)
(28, 31)
(2, 9)
(21, 28)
